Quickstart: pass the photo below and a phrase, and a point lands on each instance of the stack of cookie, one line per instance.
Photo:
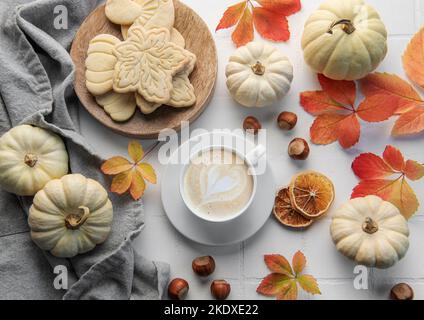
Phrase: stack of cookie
(150, 68)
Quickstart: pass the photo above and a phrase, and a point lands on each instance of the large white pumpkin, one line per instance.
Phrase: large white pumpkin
(29, 158)
(70, 216)
(370, 231)
(258, 75)
(344, 39)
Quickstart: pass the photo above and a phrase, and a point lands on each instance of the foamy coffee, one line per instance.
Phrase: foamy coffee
(217, 184)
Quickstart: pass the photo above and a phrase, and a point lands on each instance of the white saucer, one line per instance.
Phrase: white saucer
(209, 233)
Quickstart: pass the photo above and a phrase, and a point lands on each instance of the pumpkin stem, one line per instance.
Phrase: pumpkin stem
(258, 68)
(370, 226)
(347, 26)
(74, 221)
(30, 160)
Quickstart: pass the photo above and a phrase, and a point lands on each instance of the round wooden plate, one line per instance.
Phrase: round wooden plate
(199, 40)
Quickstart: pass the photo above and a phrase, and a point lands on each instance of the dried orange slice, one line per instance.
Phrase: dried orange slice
(311, 194)
(285, 213)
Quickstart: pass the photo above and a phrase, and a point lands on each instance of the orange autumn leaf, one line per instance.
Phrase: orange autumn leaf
(284, 280)
(344, 92)
(269, 17)
(231, 16)
(271, 25)
(375, 171)
(129, 176)
(376, 108)
(116, 165)
(349, 131)
(243, 33)
(399, 92)
(298, 262)
(413, 59)
(409, 123)
(278, 264)
(414, 170)
(337, 118)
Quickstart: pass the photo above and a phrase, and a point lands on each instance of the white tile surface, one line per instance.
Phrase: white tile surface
(243, 264)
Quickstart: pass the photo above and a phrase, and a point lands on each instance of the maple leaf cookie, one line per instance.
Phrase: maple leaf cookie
(147, 62)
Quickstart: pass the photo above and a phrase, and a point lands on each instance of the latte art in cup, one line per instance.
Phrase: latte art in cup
(217, 184)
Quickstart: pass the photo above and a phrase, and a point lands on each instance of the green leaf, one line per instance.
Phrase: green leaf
(308, 283)
(273, 284)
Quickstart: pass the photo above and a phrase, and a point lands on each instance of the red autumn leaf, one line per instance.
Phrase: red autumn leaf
(370, 166)
(413, 59)
(284, 7)
(298, 262)
(374, 171)
(414, 170)
(243, 33)
(231, 16)
(278, 264)
(344, 92)
(318, 102)
(400, 92)
(271, 25)
(376, 108)
(270, 20)
(337, 117)
(349, 131)
(325, 129)
(409, 123)
(394, 158)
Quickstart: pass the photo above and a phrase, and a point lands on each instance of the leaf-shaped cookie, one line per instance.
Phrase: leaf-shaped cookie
(119, 106)
(156, 14)
(100, 64)
(147, 62)
(182, 94)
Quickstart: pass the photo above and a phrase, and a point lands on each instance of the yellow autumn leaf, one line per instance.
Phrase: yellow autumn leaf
(308, 283)
(116, 165)
(135, 150)
(289, 291)
(137, 185)
(147, 172)
(122, 182)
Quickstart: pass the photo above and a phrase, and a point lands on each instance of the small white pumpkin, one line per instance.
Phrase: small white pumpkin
(344, 40)
(70, 216)
(370, 231)
(29, 158)
(258, 75)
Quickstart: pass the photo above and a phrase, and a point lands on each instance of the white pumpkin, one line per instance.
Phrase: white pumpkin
(70, 216)
(29, 158)
(370, 231)
(344, 40)
(258, 75)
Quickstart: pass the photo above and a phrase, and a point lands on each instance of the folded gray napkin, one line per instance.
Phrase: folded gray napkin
(36, 75)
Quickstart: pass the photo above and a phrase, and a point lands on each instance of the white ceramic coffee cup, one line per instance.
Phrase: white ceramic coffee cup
(251, 159)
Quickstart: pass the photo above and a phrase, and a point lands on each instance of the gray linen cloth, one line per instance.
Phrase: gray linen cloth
(36, 74)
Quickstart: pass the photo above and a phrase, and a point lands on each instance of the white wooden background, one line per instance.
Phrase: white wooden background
(242, 265)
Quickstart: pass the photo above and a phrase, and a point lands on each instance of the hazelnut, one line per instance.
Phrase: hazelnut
(253, 124)
(220, 289)
(402, 291)
(287, 120)
(203, 266)
(178, 289)
(298, 149)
